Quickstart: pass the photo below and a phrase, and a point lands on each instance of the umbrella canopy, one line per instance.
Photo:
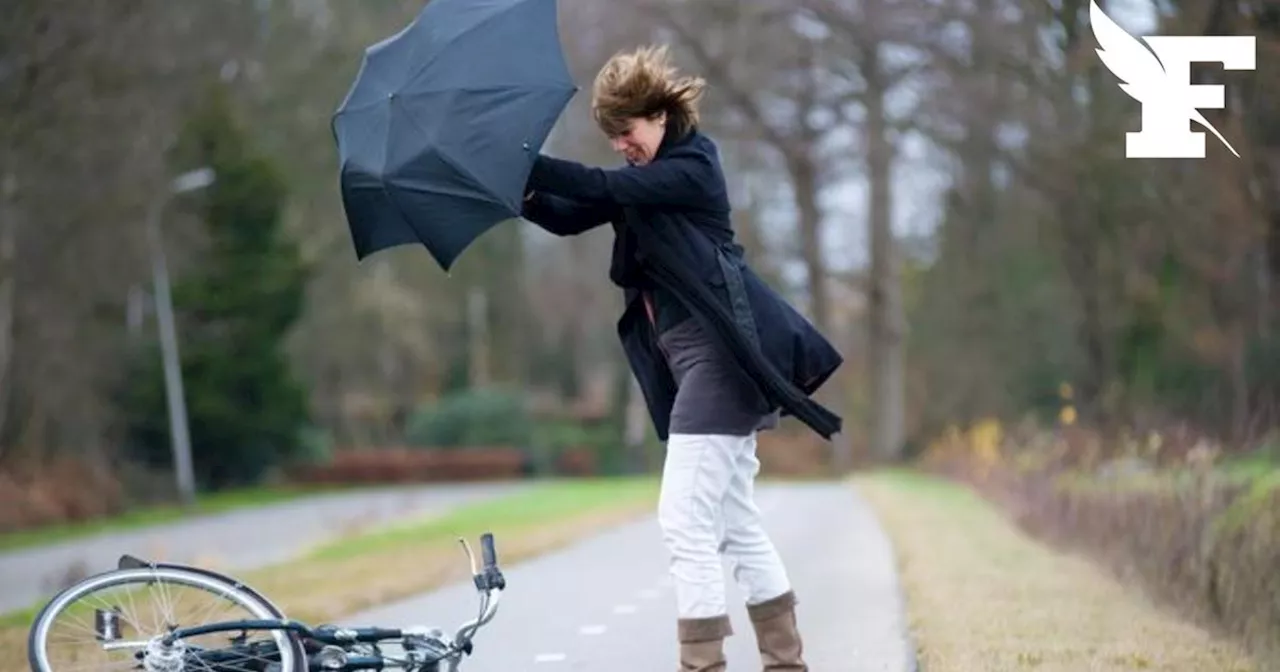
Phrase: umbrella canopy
(439, 131)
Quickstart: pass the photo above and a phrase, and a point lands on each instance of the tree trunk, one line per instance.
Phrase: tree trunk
(8, 240)
(477, 318)
(804, 185)
(886, 318)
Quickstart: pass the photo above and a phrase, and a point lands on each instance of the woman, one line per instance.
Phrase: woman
(718, 354)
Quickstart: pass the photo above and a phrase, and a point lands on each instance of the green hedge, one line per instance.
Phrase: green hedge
(500, 417)
(480, 417)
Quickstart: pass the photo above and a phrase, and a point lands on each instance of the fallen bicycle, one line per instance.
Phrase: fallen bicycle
(120, 635)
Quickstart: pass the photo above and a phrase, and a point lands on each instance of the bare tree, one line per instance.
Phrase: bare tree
(878, 52)
(89, 95)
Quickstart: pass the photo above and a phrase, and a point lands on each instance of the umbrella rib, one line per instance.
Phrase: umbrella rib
(381, 186)
(444, 156)
(460, 89)
(404, 216)
(352, 110)
(470, 197)
(422, 190)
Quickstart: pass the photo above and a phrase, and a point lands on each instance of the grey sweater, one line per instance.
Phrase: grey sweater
(713, 396)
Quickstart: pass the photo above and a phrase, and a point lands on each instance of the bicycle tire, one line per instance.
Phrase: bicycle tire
(293, 657)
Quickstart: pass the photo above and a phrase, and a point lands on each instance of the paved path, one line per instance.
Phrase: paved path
(607, 604)
(238, 539)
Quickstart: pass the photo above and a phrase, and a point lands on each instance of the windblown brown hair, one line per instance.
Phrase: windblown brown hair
(643, 83)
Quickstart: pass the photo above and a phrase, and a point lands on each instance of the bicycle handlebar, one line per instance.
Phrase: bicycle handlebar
(487, 551)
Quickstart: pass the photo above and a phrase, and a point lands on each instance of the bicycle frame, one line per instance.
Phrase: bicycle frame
(339, 636)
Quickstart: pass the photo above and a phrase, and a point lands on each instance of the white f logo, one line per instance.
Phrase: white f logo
(1161, 82)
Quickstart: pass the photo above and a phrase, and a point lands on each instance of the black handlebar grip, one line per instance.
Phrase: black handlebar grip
(487, 551)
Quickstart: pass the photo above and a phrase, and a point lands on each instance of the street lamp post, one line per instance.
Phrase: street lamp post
(180, 434)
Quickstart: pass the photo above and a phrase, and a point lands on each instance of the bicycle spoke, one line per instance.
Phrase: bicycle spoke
(170, 618)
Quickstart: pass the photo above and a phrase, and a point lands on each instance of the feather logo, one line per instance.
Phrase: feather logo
(1144, 76)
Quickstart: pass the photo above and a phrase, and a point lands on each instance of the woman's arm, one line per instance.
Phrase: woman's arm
(565, 217)
(684, 178)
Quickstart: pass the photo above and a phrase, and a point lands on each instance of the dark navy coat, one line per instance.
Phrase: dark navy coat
(671, 218)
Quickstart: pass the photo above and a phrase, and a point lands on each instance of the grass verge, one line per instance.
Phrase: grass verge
(153, 515)
(981, 595)
(363, 570)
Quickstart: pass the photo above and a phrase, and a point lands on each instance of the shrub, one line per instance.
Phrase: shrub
(571, 447)
(477, 417)
(415, 465)
(59, 492)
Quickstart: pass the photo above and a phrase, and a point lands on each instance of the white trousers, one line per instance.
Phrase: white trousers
(706, 508)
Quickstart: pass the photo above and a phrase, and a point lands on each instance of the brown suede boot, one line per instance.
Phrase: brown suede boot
(702, 643)
(777, 638)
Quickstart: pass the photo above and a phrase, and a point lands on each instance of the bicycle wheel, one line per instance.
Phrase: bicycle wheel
(101, 623)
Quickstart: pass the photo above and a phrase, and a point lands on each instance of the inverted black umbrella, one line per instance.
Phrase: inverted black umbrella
(439, 131)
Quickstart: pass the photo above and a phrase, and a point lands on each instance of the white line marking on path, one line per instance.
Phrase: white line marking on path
(625, 609)
(592, 629)
(549, 657)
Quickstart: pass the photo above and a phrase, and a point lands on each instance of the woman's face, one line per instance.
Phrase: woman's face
(639, 142)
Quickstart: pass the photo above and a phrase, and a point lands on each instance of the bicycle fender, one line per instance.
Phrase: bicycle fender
(133, 562)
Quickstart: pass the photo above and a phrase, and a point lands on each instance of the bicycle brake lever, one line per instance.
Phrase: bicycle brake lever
(471, 558)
